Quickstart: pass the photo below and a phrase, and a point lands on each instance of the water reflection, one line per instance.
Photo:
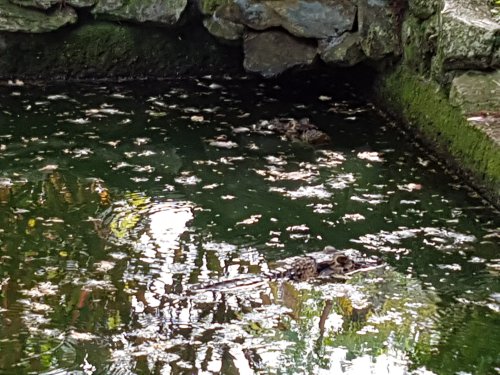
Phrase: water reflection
(115, 202)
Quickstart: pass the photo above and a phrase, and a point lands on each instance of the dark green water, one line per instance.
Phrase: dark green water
(113, 202)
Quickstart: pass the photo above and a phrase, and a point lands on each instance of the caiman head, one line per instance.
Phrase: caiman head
(342, 263)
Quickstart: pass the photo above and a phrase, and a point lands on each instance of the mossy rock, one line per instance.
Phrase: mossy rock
(208, 7)
(14, 18)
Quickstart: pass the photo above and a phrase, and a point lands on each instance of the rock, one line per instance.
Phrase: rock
(419, 39)
(378, 29)
(17, 19)
(495, 59)
(208, 7)
(302, 18)
(423, 9)
(344, 50)
(255, 15)
(46, 4)
(40, 4)
(467, 36)
(161, 12)
(476, 92)
(315, 19)
(272, 52)
(223, 29)
(81, 3)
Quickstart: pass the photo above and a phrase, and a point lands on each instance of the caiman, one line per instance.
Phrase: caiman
(329, 263)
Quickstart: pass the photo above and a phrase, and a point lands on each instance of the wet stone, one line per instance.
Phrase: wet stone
(224, 29)
(378, 29)
(273, 52)
(477, 94)
(423, 9)
(161, 12)
(302, 18)
(344, 50)
(468, 36)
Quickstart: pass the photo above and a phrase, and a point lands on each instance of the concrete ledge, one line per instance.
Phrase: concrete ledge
(425, 108)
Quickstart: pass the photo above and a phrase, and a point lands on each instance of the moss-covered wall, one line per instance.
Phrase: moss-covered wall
(425, 108)
(106, 50)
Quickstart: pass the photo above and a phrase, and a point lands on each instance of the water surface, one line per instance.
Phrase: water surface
(115, 200)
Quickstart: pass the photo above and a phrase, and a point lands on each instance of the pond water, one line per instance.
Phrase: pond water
(116, 199)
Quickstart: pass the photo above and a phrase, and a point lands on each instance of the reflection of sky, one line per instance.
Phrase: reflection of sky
(167, 223)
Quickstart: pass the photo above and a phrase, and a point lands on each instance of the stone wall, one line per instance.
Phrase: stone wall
(447, 84)
(85, 39)
(102, 37)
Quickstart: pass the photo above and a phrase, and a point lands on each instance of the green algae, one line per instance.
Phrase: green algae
(424, 107)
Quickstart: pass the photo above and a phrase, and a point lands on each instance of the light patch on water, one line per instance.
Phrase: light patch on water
(329, 158)
(317, 191)
(276, 174)
(341, 181)
(439, 238)
(42, 289)
(167, 222)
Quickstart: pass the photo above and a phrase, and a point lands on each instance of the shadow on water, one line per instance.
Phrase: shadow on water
(116, 200)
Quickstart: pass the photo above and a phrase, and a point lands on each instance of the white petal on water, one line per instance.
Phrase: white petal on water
(79, 121)
(452, 267)
(352, 217)
(369, 198)
(49, 168)
(410, 187)
(197, 118)
(370, 156)
(142, 141)
(251, 220)
(223, 144)
(215, 86)
(241, 129)
(187, 180)
(298, 228)
(58, 97)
